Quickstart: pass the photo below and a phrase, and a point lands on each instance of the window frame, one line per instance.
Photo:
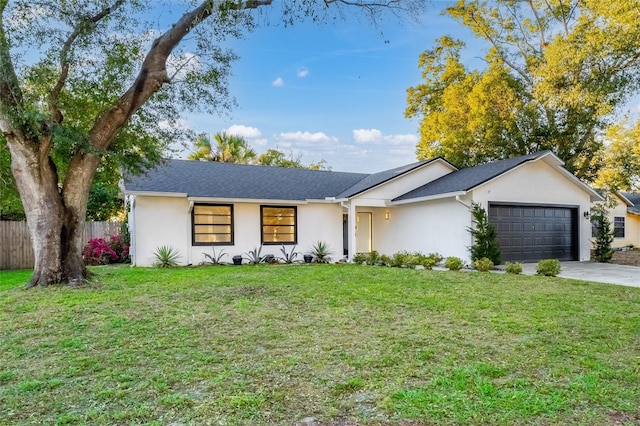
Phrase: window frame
(619, 229)
(193, 225)
(295, 225)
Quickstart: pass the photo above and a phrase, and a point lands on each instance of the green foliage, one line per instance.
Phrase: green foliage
(427, 260)
(228, 149)
(288, 256)
(548, 267)
(402, 259)
(454, 263)
(620, 159)
(166, 257)
(360, 258)
(321, 252)
(254, 257)
(275, 157)
(215, 258)
(485, 238)
(555, 74)
(513, 268)
(483, 264)
(604, 233)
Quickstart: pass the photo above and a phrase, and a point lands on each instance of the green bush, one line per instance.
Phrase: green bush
(548, 267)
(513, 268)
(402, 259)
(454, 263)
(360, 258)
(602, 251)
(483, 264)
(385, 260)
(427, 260)
(321, 252)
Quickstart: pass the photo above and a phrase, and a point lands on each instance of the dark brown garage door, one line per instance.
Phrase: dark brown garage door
(530, 233)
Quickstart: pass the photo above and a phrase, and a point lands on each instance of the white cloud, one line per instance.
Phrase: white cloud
(278, 82)
(366, 135)
(303, 72)
(244, 131)
(305, 136)
(375, 136)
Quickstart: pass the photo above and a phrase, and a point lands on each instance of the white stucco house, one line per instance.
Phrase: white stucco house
(538, 207)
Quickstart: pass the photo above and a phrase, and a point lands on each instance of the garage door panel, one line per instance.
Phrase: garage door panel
(531, 233)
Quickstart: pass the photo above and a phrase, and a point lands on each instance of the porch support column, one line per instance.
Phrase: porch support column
(351, 229)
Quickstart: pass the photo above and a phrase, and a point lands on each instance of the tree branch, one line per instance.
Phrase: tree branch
(81, 27)
(10, 92)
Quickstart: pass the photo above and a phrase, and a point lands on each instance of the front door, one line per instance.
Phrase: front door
(363, 232)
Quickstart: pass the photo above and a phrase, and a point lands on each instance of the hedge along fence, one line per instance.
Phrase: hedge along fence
(15, 242)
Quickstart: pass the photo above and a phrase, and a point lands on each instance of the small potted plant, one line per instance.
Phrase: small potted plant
(308, 258)
(237, 259)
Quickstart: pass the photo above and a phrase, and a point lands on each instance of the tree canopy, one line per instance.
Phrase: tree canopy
(555, 74)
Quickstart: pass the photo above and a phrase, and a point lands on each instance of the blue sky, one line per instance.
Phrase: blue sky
(333, 92)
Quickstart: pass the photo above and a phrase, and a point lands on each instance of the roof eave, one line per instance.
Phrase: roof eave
(157, 194)
(427, 198)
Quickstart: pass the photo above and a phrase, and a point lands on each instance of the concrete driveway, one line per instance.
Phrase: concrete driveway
(592, 271)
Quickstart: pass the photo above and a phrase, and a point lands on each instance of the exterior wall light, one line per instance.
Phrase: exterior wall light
(386, 215)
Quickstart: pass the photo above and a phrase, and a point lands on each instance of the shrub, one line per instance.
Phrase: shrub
(360, 258)
(166, 257)
(384, 260)
(321, 252)
(485, 237)
(428, 261)
(120, 245)
(98, 252)
(454, 263)
(513, 268)
(402, 259)
(483, 265)
(604, 234)
(548, 267)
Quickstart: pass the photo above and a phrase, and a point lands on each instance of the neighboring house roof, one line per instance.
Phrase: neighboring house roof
(227, 180)
(381, 177)
(634, 199)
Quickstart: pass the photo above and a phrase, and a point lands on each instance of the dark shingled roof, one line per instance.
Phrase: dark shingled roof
(377, 178)
(226, 180)
(469, 178)
(634, 197)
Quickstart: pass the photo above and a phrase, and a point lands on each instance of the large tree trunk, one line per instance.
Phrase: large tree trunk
(56, 229)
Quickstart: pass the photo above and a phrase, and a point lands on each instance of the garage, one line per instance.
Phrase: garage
(529, 233)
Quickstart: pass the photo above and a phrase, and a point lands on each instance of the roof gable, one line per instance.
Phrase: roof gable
(634, 199)
(469, 178)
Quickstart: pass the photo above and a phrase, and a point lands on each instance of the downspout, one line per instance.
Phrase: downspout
(189, 247)
(462, 202)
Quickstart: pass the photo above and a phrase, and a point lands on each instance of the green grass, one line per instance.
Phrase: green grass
(273, 344)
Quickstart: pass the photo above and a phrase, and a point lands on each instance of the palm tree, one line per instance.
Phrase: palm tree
(233, 149)
(203, 150)
(228, 149)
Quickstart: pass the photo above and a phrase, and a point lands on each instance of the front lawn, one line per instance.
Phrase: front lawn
(273, 344)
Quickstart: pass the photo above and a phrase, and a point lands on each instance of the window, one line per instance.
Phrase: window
(212, 225)
(278, 225)
(618, 227)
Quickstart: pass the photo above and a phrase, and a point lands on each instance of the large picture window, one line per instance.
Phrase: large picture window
(278, 225)
(618, 227)
(212, 225)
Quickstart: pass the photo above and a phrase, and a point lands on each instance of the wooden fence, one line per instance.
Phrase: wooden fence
(15, 242)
